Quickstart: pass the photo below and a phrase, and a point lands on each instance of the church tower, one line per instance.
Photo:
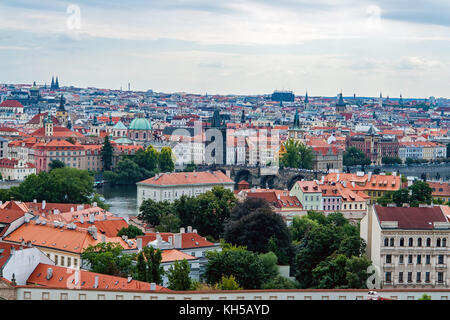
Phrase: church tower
(340, 105)
(48, 125)
(61, 114)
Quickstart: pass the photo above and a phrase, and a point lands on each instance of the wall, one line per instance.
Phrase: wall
(36, 293)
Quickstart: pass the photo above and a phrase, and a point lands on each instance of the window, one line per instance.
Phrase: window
(400, 277)
(427, 259)
(100, 297)
(391, 242)
(402, 242)
(428, 242)
(27, 295)
(386, 242)
(409, 276)
(62, 261)
(400, 259)
(63, 296)
(419, 242)
(440, 277)
(410, 257)
(82, 296)
(418, 277)
(56, 260)
(388, 258)
(69, 261)
(388, 277)
(438, 242)
(75, 262)
(419, 259)
(410, 242)
(444, 242)
(440, 259)
(427, 277)
(45, 295)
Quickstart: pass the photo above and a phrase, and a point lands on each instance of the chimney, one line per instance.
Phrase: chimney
(152, 286)
(77, 277)
(43, 204)
(189, 229)
(170, 240)
(91, 218)
(94, 204)
(82, 219)
(93, 231)
(194, 231)
(96, 282)
(72, 209)
(405, 205)
(181, 230)
(49, 273)
(139, 243)
(177, 240)
(129, 279)
(34, 201)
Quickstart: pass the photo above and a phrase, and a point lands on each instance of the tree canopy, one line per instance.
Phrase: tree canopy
(297, 155)
(353, 156)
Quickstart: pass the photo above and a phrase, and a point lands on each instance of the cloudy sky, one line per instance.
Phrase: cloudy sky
(231, 46)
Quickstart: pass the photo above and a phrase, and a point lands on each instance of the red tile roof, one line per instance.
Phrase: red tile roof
(109, 227)
(188, 240)
(181, 178)
(5, 252)
(11, 104)
(411, 218)
(65, 278)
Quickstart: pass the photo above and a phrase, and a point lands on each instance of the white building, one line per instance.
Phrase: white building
(408, 246)
(171, 186)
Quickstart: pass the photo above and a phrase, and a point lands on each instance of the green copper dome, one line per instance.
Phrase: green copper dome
(140, 124)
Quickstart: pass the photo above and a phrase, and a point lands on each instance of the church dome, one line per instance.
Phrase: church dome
(140, 124)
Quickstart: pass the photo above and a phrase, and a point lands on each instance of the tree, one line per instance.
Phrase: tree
(190, 167)
(107, 153)
(297, 155)
(131, 232)
(420, 192)
(151, 211)
(279, 282)
(248, 206)
(391, 160)
(354, 156)
(244, 265)
(228, 283)
(154, 269)
(63, 185)
(425, 297)
(108, 258)
(165, 160)
(214, 209)
(56, 164)
(178, 276)
(256, 229)
(169, 222)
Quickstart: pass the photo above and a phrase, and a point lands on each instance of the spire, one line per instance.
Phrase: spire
(52, 86)
(243, 116)
(296, 119)
(61, 104)
(306, 98)
(56, 83)
(340, 100)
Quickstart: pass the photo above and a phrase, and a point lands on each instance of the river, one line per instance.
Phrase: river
(121, 199)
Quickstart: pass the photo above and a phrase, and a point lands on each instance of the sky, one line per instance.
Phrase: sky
(321, 47)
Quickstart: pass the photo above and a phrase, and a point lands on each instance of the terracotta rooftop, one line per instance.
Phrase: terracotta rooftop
(66, 278)
(412, 217)
(181, 178)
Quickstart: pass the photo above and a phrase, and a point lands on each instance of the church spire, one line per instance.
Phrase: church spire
(296, 119)
(306, 98)
(61, 104)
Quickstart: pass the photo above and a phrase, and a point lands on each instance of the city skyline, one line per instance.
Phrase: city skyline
(232, 47)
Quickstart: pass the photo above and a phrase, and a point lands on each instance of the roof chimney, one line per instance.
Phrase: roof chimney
(181, 230)
(189, 229)
(49, 273)
(91, 218)
(81, 219)
(96, 282)
(194, 231)
(72, 209)
(152, 286)
(77, 277)
(129, 279)
(177, 240)
(139, 243)
(43, 204)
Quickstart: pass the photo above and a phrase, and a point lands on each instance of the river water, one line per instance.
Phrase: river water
(121, 199)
